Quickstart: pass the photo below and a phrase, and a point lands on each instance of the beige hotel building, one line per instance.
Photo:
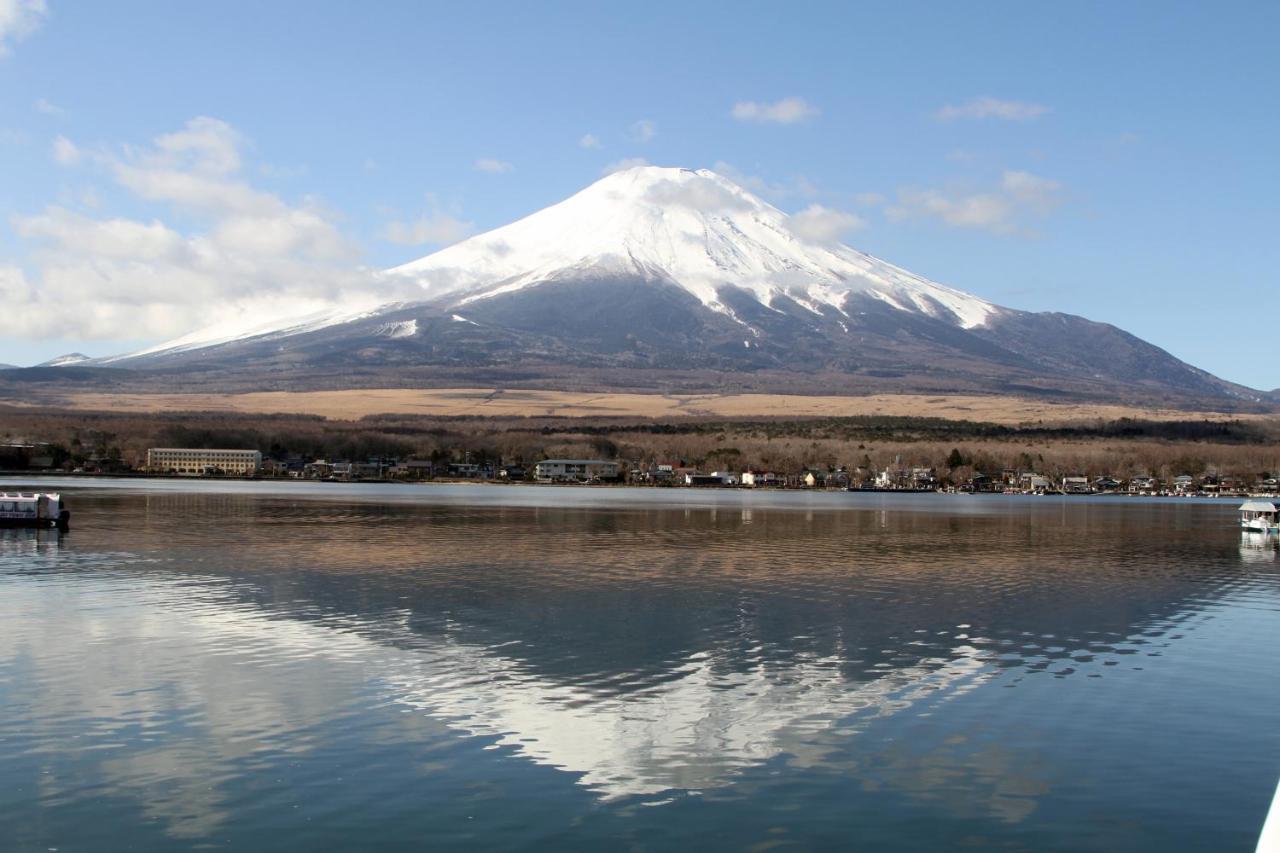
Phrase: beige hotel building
(181, 460)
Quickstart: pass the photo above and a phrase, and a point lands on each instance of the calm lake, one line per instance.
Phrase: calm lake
(340, 667)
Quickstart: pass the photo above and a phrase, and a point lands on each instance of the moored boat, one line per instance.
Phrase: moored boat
(36, 509)
(1260, 517)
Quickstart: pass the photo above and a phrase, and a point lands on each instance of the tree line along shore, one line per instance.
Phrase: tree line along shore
(1226, 455)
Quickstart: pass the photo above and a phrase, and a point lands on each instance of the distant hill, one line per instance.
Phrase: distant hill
(66, 360)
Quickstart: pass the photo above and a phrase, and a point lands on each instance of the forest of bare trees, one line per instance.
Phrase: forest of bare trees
(957, 449)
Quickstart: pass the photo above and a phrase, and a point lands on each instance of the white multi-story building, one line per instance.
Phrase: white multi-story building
(1075, 485)
(197, 461)
(574, 470)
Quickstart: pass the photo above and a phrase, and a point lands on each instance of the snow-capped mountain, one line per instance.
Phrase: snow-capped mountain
(696, 229)
(672, 278)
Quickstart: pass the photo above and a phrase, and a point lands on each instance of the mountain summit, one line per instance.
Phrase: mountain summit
(695, 229)
(673, 279)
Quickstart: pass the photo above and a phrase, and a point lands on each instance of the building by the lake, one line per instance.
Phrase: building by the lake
(198, 461)
(575, 470)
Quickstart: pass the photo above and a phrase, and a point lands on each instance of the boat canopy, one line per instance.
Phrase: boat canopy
(1259, 506)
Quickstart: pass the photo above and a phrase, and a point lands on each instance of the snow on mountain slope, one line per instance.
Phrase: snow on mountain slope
(694, 228)
(66, 360)
(237, 329)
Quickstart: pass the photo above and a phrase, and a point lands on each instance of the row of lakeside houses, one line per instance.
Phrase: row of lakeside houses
(201, 462)
(229, 462)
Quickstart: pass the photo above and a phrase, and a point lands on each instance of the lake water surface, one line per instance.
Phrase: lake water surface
(325, 667)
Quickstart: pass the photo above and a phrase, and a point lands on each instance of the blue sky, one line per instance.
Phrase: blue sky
(163, 164)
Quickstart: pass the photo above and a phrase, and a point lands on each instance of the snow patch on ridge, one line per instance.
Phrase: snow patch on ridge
(66, 360)
(402, 329)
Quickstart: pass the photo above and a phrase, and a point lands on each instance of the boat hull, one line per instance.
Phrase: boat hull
(1254, 526)
(36, 522)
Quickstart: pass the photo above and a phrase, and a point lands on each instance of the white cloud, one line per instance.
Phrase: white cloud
(197, 168)
(786, 111)
(129, 279)
(623, 165)
(192, 190)
(281, 172)
(989, 107)
(643, 130)
(589, 140)
(438, 229)
(204, 144)
(701, 195)
(1004, 209)
(799, 186)
(1031, 190)
(117, 238)
(19, 19)
(487, 164)
(287, 232)
(197, 171)
(248, 254)
(45, 107)
(869, 199)
(755, 183)
(819, 224)
(65, 151)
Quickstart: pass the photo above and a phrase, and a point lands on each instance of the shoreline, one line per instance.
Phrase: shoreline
(8, 478)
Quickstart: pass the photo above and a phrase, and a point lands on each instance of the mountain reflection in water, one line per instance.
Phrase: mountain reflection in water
(193, 643)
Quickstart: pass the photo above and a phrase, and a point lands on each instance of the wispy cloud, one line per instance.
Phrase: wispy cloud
(786, 111)
(819, 224)
(776, 190)
(700, 195)
(48, 108)
(624, 164)
(282, 172)
(988, 107)
(589, 140)
(19, 19)
(1017, 200)
(496, 167)
(429, 229)
(643, 130)
(65, 151)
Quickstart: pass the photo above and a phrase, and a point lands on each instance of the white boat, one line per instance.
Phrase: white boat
(33, 510)
(1260, 517)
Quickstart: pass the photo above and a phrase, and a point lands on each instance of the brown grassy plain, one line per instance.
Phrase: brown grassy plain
(491, 402)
